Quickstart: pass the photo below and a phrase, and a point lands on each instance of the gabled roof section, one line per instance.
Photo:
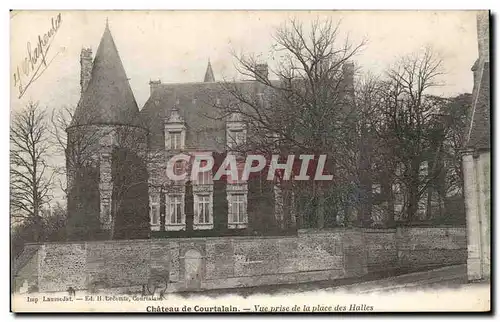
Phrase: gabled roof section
(194, 104)
(198, 104)
(108, 98)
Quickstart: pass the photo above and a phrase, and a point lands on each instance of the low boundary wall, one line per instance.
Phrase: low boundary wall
(230, 262)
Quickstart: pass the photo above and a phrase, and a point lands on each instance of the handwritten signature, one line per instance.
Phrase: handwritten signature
(35, 62)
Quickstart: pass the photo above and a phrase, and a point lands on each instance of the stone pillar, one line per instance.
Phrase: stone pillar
(473, 217)
(483, 178)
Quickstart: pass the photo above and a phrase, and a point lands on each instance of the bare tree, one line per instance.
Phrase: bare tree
(79, 149)
(303, 105)
(369, 98)
(410, 131)
(456, 113)
(30, 175)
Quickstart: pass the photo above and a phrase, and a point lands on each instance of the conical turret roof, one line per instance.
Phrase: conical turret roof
(108, 98)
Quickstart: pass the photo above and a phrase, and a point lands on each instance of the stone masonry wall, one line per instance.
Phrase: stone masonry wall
(118, 264)
(227, 262)
(381, 247)
(427, 247)
(61, 266)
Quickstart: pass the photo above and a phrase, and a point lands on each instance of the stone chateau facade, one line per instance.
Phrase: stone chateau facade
(177, 118)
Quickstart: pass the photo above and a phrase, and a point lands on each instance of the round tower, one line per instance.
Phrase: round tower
(106, 153)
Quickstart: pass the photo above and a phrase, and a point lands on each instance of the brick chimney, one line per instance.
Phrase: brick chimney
(261, 71)
(86, 68)
(153, 85)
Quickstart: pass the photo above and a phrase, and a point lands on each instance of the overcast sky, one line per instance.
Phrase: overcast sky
(175, 46)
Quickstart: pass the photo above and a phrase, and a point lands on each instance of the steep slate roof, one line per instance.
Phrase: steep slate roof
(108, 98)
(478, 131)
(205, 124)
(196, 104)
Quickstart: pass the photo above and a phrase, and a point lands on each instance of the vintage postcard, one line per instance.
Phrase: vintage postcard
(250, 161)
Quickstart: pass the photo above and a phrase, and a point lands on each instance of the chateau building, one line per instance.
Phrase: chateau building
(112, 146)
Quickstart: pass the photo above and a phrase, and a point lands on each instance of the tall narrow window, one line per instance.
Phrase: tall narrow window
(204, 177)
(237, 209)
(175, 209)
(155, 209)
(175, 140)
(203, 209)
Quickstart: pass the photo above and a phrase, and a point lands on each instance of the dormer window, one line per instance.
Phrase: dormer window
(235, 131)
(176, 140)
(237, 138)
(175, 131)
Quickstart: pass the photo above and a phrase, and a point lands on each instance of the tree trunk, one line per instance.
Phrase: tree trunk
(320, 206)
(413, 195)
(279, 209)
(388, 194)
(365, 179)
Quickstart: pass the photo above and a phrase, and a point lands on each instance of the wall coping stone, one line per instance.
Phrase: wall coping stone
(300, 232)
